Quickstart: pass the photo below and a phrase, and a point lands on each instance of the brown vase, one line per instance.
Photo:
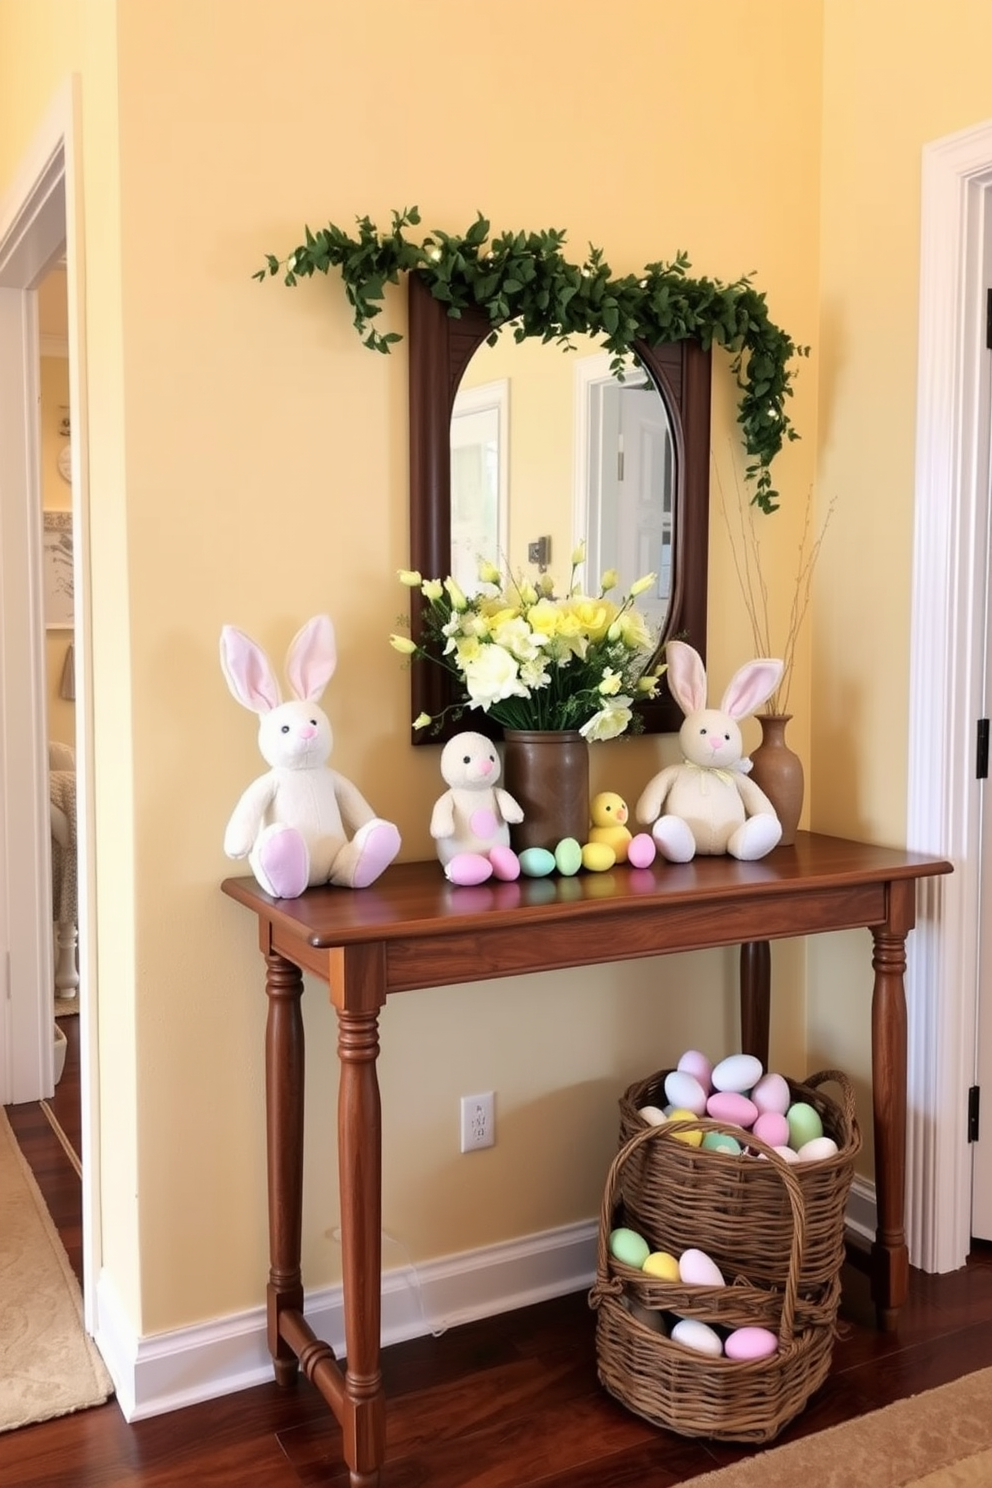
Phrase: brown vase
(547, 774)
(778, 771)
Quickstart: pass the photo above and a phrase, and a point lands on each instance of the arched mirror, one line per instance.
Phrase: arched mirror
(523, 454)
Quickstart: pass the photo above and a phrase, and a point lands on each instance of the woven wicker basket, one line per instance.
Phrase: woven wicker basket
(736, 1209)
(691, 1393)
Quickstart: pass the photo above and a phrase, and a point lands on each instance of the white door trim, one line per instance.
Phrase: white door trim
(40, 215)
(946, 688)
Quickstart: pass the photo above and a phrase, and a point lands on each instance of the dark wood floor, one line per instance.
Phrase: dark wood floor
(511, 1402)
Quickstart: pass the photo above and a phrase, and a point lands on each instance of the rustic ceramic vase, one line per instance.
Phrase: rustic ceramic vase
(547, 774)
(778, 771)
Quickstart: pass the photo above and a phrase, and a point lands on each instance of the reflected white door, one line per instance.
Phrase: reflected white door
(981, 1173)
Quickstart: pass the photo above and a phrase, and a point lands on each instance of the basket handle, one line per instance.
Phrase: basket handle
(838, 1078)
(605, 1285)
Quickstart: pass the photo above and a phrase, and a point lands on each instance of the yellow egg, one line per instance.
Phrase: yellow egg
(597, 857)
(659, 1263)
(691, 1138)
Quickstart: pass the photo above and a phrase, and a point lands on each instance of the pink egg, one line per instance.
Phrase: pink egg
(750, 1343)
(727, 1105)
(772, 1094)
(696, 1064)
(772, 1127)
(696, 1268)
(684, 1090)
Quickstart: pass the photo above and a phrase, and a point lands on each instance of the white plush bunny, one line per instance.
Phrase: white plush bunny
(710, 806)
(301, 823)
(469, 822)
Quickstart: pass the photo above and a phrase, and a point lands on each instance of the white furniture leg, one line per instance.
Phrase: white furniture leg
(66, 975)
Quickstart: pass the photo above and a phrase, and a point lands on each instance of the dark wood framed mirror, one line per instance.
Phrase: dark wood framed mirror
(440, 348)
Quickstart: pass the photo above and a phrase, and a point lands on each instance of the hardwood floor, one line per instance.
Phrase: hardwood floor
(509, 1402)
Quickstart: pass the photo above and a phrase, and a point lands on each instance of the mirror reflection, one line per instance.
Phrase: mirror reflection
(550, 443)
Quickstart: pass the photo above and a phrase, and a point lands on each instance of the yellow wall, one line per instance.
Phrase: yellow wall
(247, 463)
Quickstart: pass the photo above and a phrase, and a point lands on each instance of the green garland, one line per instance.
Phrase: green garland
(524, 277)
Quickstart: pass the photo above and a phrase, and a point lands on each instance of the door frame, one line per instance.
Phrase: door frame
(947, 678)
(40, 217)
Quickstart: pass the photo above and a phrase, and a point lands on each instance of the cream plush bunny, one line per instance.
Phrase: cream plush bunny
(302, 823)
(469, 822)
(710, 806)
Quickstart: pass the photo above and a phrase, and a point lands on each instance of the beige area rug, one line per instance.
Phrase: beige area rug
(941, 1439)
(67, 1007)
(49, 1366)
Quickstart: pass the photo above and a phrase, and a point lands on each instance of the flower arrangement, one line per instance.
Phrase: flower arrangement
(533, 659)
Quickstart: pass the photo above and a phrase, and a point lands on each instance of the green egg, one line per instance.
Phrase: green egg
(537, 862)
(721, 1142)
(629, 1247)
(568, 856)
(804, 1124)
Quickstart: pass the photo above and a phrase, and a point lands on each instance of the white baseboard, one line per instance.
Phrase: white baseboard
(166, 1371)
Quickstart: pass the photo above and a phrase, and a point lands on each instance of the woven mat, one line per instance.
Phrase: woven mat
(67, 1007)
(49, 1366)
(941, 1439)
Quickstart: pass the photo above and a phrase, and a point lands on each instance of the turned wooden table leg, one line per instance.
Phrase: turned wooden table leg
(284, 1065)
(756, 1000)
(890, 1254)
(360, 1181)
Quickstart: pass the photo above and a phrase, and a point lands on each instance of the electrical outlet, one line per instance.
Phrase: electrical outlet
(478, 1121)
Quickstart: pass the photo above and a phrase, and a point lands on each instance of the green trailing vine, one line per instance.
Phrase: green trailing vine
(525, 278)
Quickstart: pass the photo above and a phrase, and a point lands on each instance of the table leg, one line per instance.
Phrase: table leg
(284, 1064)
(360, 1182)
(890, 1254)
(756, 1000)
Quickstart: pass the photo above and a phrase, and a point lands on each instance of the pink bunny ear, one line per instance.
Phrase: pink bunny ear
(686, 676)
(247, 670)
(312, 658)
(751, 685)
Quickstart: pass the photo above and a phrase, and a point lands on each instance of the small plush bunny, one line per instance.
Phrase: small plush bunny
(710, 806)
(469, 822)
(302, 823)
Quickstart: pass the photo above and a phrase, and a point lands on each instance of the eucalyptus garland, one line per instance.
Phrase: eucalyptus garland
(525, 278)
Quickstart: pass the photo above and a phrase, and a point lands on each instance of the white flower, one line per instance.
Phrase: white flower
(610, 721)
(410, 578)
(517, 637)
(491, 675)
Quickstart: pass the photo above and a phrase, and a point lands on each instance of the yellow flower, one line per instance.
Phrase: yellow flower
(639, 585)
(488, 572)
(402, 644)
(455, 594)
(411, 578)
(611, 683)
(579, 554)
(422, 720)
(432, 589)
(609, 580)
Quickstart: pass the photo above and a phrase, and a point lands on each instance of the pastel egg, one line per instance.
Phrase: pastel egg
(772, 1093)
(662, 1265)
(697, 1269)
(649, 1316)
(685, 1091)
(817, 1149)
(629, 1247)
(728, 1105)
(787, 1154)
(804, 1124)
(695, 1063)
(641, 850)
(699, 1337)
(737, 1072)
(750, 1343)
(568, 856)
(597, 857)
(690, 1138)
(721, 1142)
(653, 1115)
(771, 1127)
(537, 862)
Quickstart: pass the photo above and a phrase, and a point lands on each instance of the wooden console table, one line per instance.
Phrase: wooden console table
(412, 929)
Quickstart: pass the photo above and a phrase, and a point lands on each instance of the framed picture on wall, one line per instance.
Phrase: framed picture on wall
(57, 570)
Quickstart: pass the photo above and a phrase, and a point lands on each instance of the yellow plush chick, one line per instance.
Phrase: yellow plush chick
(609, 815)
